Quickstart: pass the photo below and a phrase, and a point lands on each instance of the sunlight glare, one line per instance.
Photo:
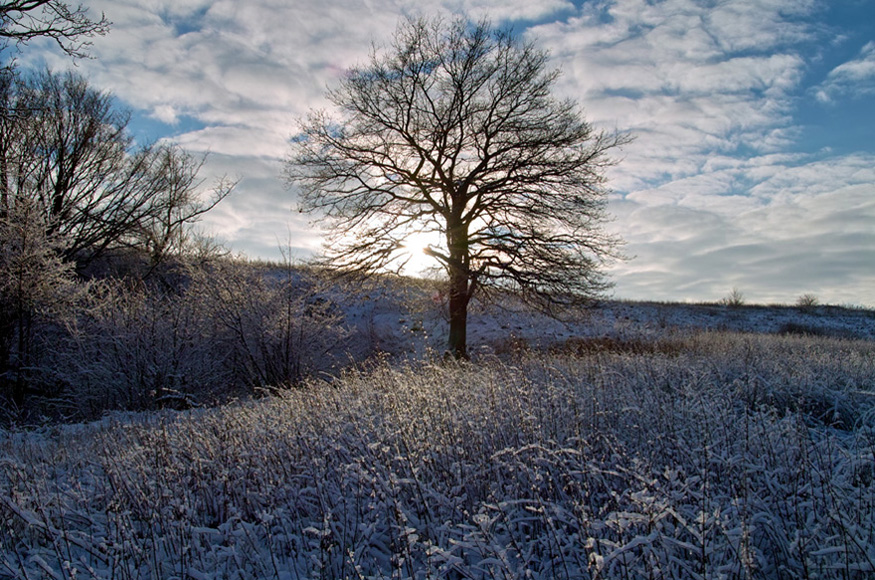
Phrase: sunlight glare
(415, 246)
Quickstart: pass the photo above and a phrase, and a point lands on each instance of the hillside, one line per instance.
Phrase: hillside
(407, 318)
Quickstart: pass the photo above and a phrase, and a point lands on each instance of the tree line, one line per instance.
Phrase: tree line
(109, 299)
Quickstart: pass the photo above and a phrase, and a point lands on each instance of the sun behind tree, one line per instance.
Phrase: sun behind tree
(416, 252)
(454, 128)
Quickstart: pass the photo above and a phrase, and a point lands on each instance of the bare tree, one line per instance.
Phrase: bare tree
(73, 186)
(67, 150)
(71, 28)
(166, 230)
(454, 129)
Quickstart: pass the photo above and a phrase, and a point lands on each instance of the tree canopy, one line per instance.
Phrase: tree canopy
(454, 129)
(66, 153)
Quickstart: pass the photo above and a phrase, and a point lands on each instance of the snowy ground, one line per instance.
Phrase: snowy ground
(747, 451)
(403, 322)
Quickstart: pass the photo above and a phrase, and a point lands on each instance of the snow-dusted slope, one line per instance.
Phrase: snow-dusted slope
(735, 456)
(407, 319)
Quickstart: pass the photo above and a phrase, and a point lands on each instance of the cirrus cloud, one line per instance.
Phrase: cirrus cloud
(855, 78)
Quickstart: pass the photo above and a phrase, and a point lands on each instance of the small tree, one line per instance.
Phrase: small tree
(807, 302)
(735, 299)
(453, 129)
(73, 186)
(33, 281)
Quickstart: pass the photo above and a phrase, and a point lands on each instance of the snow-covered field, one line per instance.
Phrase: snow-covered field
(403, 320)
(641, 441)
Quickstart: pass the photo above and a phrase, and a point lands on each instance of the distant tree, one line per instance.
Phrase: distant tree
(734, 299)
(454, 129)
(71, 28)
(807, 302)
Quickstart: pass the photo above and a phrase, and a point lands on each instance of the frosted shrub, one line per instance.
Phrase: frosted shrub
(135, 347)
(275, 327)
(218, 329)
(35, 288)
(693, 464)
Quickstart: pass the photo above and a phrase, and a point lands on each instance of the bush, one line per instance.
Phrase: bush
(276, 326)
(807, 302)
(194, 333)
(734, 299)
(36, 288)
(137, 348)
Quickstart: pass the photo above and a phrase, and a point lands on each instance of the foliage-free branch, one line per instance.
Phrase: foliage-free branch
(454, 128)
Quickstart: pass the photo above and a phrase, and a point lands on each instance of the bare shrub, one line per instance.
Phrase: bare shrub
(734, 299)
(201, 334)
(275, 326)
(631, 345)
(136, 348)
(807, 302)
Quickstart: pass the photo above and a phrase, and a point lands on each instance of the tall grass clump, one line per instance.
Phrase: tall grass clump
(725, 456)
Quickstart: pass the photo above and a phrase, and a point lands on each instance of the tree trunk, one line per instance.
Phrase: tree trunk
(458, 340)
(460, 291)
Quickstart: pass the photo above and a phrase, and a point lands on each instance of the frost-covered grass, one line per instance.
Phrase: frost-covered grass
(709, 456)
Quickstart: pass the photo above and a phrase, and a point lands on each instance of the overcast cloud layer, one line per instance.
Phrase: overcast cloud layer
(753, 165)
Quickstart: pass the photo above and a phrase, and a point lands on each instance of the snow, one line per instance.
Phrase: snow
(683, 441)
(411, 319)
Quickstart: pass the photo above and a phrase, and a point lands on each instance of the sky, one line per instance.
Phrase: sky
(752, 168)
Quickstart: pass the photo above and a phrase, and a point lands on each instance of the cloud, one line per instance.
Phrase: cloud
(775, 227)
(715, 191)
(260, 217)
(853, 79)
(166, 114)
(709, 197)
(225, 61)
(687, 79)
(501, 10)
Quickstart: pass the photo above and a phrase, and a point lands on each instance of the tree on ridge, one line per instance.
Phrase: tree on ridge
(453, 129)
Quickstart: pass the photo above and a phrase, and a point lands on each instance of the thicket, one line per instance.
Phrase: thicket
(736, 456)
(108, 297)
(197, 332)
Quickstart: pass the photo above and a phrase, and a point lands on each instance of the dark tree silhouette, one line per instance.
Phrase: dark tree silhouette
(454, 129)
(73, 187)
(66, 152)
(71, 28)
